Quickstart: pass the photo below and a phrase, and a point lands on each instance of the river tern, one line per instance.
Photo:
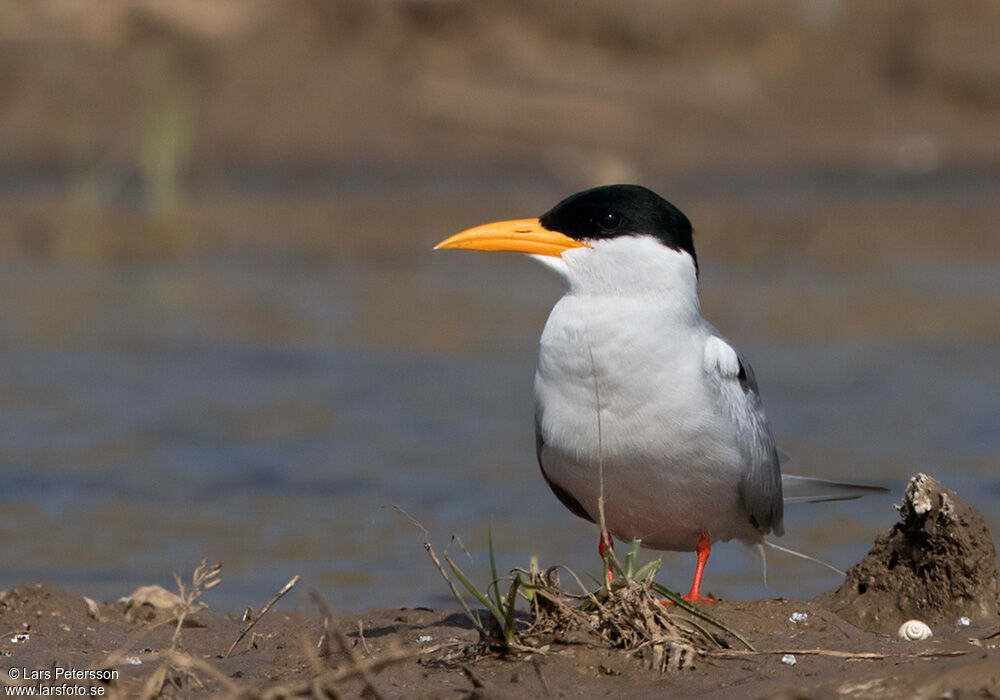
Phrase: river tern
(641, 405)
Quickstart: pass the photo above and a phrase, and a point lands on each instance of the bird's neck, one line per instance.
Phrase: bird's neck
(639, 270)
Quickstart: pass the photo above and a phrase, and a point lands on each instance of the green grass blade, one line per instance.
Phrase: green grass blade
(533, 573)
(493, 568)
(709, 637)
(630, 558)
(508, 623)
(471, 588)
(648, 570)
(697, 612)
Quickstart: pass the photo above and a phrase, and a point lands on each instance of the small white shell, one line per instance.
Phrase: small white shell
(914, 631)
(963, 621)
(788, 659)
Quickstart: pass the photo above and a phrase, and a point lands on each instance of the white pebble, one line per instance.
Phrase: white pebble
(963, 621)
(133, 661)
(914, 631)
(788, 659)
(798, 617)
(424, 638)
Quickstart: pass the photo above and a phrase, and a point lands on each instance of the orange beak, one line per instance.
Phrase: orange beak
(518, 236)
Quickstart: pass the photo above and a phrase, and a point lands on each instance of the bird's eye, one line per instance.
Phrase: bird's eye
(608, 221)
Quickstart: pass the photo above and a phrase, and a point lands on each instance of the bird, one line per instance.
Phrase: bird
(648, 421)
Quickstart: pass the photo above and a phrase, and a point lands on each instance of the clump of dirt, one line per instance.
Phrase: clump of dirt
(938, 564)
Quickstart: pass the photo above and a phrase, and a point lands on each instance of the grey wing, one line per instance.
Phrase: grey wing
(760, 487)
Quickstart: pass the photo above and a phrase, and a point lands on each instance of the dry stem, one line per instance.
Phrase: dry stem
(263, 611)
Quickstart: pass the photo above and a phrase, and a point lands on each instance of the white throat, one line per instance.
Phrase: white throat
(630, 266)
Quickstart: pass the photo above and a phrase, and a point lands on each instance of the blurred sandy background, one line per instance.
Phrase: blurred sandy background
(224, 333)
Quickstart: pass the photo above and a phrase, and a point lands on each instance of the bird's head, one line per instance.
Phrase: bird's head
(619, 223)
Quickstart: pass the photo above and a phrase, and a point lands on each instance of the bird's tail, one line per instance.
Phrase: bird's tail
(807, 489)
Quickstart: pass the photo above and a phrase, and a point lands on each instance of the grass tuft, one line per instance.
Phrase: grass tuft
(626, 611)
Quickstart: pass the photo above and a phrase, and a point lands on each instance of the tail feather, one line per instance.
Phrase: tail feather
(807, 489)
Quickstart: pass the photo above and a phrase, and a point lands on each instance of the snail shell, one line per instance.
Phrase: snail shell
(914, 631)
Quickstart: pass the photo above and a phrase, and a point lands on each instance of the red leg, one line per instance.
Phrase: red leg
(703, 549)
(604, 545)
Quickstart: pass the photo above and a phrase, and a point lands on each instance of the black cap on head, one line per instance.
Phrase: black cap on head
(621, 210)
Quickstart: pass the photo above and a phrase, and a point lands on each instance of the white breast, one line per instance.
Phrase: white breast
(621, 388)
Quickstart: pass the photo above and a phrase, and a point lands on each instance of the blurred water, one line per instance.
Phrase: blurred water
(269, 415)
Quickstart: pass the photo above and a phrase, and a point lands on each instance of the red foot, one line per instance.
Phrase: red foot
(703, 549)
(709, 599)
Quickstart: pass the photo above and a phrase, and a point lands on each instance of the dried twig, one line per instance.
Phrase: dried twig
(345, 645)
(473, 677)
(263, 611)
(837, 653)
(205, 577)
(364, 643)
(440, 567)
(314, 653)
(154, 684)
(541, 678)
(189, 664)
(327, 682)
(607, 546)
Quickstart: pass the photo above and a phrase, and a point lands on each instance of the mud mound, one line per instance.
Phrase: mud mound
(937, 565)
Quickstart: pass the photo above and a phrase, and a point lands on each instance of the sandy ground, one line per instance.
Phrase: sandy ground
(832, 657)
(939, 562)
